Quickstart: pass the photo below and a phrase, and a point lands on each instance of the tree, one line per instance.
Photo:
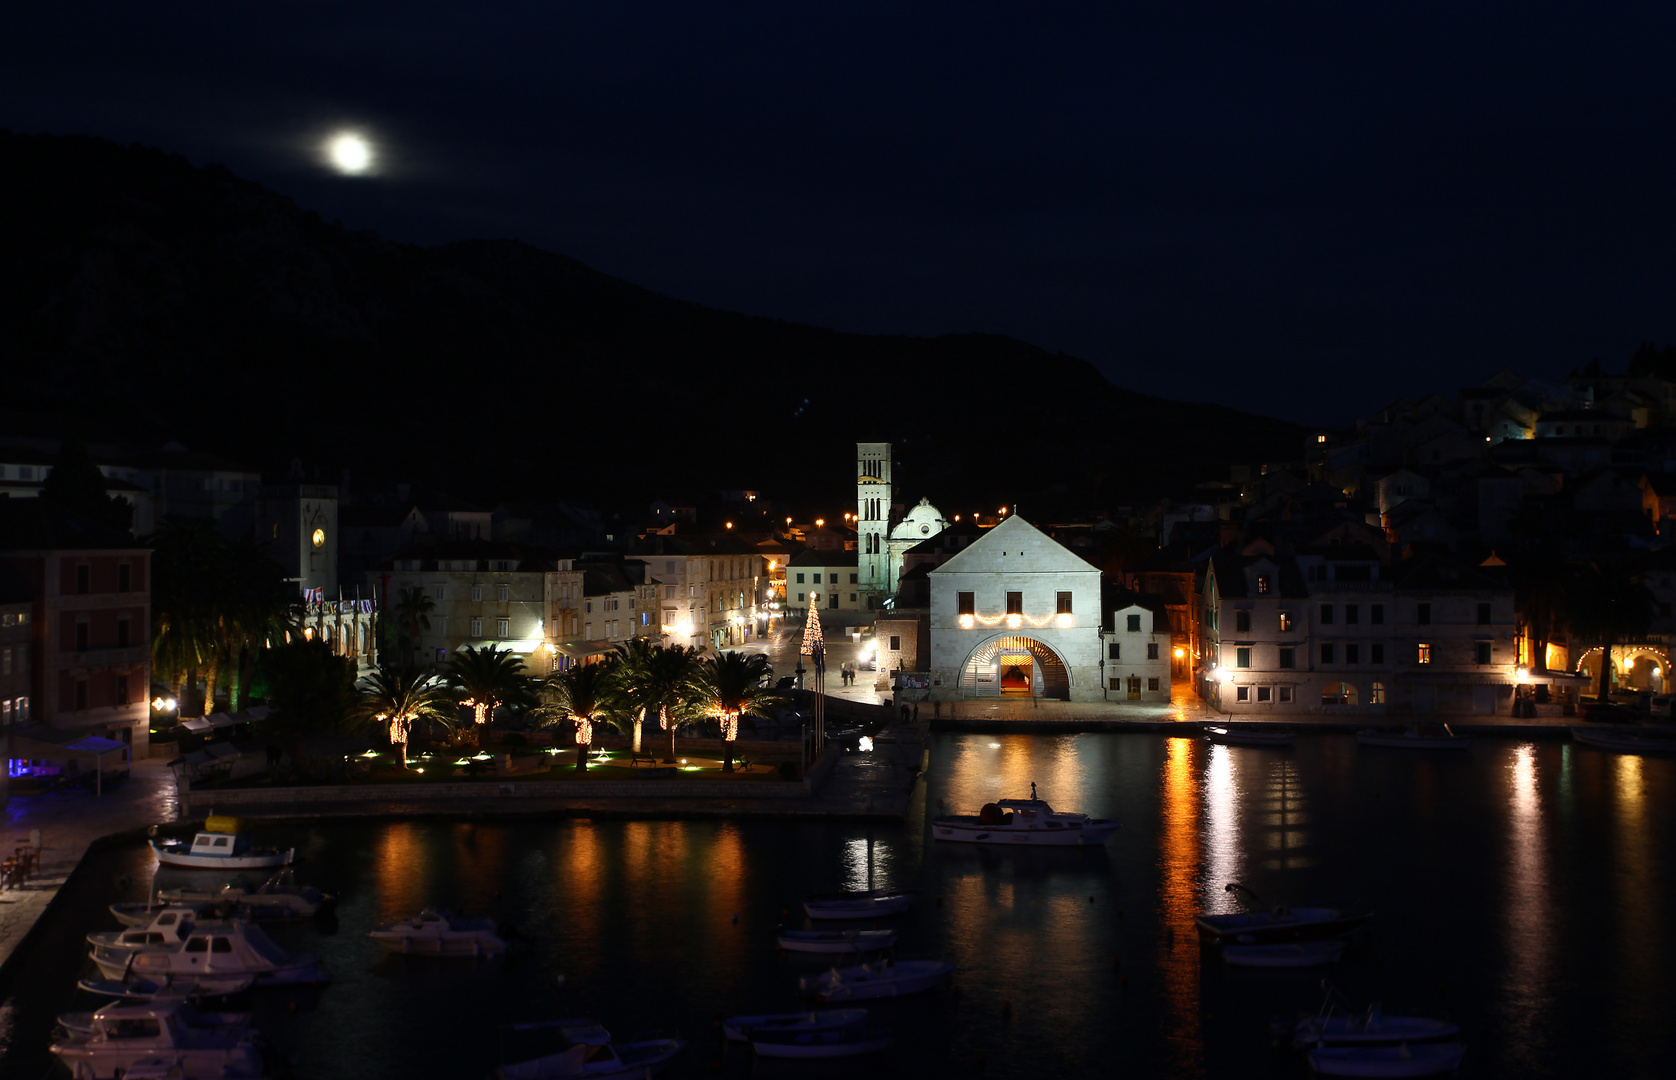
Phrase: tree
(489, 677)
(729, 687)
(1542, 583)
(402, 697)
(581, 694)
(413, 615)
(77, 488)
(658, 679)
(310, 689)
(1608, 603)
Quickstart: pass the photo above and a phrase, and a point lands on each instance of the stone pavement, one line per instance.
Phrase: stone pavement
(69, 823)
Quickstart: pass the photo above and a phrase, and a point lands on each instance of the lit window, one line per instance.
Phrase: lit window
(1262, 583)
(477, 628)
(1425, 656)
(1286, 622)
(1377, 697)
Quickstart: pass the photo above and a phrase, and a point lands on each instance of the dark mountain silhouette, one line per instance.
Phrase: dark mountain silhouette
(144, 298)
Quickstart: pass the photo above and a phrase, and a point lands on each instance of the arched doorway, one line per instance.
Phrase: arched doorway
(1015, 667)
(1634, 667)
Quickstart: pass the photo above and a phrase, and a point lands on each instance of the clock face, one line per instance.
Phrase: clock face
(319, 538)
(924, 528)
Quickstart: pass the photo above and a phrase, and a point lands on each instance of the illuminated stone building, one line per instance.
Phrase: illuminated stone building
(873, 495)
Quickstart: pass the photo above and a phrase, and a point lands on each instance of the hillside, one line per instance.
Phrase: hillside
(144, 298)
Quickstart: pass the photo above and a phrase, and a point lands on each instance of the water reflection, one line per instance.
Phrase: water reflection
(1640, 929)
(1178, 945)
(1224, 853)
(401, 862)
(1285, 812)
(1529, 929)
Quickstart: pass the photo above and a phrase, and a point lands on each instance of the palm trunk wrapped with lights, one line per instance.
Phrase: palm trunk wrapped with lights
(399, 728)
(400, 697)
(584, 737)
(730, 687)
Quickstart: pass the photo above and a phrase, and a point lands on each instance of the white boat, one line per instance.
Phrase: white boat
(211, 993)
(177, 945)
(141, 912)
(826, 1043)
(1418, 1059)
(589, 1054)
(436, 932)
(1415, 738)
(867, 905)
(1275, 925)
(221, 846)
(85, 1024)
(125, 1035)
(877, 980)
(740, 1028)
(1288, 954)
(836, 941)
(1024, 821)
(279, 897)
(1625, 741)
(1233, 736)
(1370, 1029)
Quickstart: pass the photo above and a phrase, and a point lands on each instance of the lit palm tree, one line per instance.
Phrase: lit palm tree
(400, 697)
(413, 615)
(582, 695)
(729, 687)
(657, 679)
(489, 677)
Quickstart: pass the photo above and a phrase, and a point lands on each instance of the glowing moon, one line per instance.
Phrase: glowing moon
(349, 153)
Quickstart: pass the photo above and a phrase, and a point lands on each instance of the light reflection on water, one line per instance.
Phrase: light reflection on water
(1179, 902)
(1529, 936)
(1224, 853)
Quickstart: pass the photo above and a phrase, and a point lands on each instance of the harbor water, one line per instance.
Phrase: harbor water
(1520, 888)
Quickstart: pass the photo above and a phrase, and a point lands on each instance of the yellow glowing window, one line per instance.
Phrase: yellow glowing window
(319, 538)
(1425, 656)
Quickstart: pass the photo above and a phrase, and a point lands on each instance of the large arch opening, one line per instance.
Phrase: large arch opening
(1015, 666)
(1634, 667)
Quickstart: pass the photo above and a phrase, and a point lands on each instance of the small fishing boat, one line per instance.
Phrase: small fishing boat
(827, 1043)
(1415, 737)
(863, 905)
(877, 980)
(1233, 736)
(1290, 954)
(173, 946)
(141, 912)
(279, 897)
(1625, 740)
(126, 1034)
(1370, 1029)
(84, 1024)
(741, 1028)
(589, 1054)
(1276, 925)
(221, 846)
(436, 932)
(209, 993)
(1024, 821)
(836, 941)
(1418, 1059)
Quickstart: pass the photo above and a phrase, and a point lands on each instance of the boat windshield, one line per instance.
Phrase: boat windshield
(264, 946)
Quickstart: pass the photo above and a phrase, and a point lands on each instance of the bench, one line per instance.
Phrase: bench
(636, 760)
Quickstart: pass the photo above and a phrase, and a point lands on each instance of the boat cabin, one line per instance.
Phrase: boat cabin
(220, 844)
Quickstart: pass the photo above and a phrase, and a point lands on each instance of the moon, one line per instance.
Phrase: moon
(349, 153)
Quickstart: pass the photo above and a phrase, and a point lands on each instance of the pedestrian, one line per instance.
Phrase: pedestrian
(937, 709)
(907, 713)
(916, 712)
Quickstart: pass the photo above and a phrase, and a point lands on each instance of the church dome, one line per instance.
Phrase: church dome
(922, 522)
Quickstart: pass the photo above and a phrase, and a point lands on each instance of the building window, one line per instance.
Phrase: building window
(645, 618)
(968, 606)
(81, 694)
(124, 578)
(1483, 614)
(1326, 614)
(1262, 584)
(1152, 650)
(82, 635)
(589, 607)
(1481, 652)
(503, 628)
(1286, 658)
(124, 633)
(477, 628)
(801, 598)
(800, 582)
(1134, 624)
(1015, 603)
(895, 643)
(1286, 622)
(1338, 694)
(852, 598)
(1376, 653)
(1242, 693)
(477, 592)
(1424, 653)
(84, 580)
(1242, 622)
(1353, 654)
(438, 592)
(1242, 658)
(1327, 654)
(1352, 614)
(1152, 685)
(1114, 651)
(852, 579)
(1285, 693)
(122, 689)
(1064, 600)
(1264, 693)
(1116, 682)
(1423, 614)
(817, 580)
(1376, 614)
(1377, 697)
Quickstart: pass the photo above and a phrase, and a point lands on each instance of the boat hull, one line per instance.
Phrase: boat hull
(1294, 954)
(896, 980)
(1276, 932)
(1622, 743)
(958, 831)
(1358, 1031)
(858, 909)
(855, 941)
(1424, 1059)
(431, 945)
(1254, 738)
(742, 1028)
(169, 855)
(823, 1044)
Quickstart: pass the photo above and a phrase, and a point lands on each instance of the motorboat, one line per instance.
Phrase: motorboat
(825, 1043)
(437, 932)
(1415, 737)
(141, 912)
(1406, 1059)
(836, 941)
(1289, 954)
(210, 993)
(1370, 1029)
(1024, 821)
(589, 1054)
(85, 1024)
(1276, 925)
(222, 845)
(741, 1028)
(127, 1034)
(188, 948)
(1625, 740)
(862, 905)
(877, 980)
(1233, 736)
(279, 897)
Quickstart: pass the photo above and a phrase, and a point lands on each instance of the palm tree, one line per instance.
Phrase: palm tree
(413, 615)
(730, 686)
(582, 694)
(1608, 603)
(401, 696)
(186, 571)
(489, 677)
(655, 679)
(1542, 582)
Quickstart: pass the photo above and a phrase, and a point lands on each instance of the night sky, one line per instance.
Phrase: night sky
(1300, 208)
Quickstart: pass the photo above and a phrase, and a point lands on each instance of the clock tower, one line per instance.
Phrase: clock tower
(872, 526)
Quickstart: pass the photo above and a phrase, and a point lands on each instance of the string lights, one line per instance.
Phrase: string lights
(480, 712)
(1063, 620)
(584, 731)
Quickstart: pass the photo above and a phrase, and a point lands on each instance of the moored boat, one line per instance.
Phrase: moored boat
(210, 993)
(1415, 738)
(865, 905)
(589, 1054)
(835, 1042)
(1238, 736)
(877, 980)
(1370, 1029)
(188, 948)
(836, 941)
(1625, 741)
(1024, 821)
(1418, 1059)
(126, 1034)
(222, 845)
(1289, 954)
(1278, 925)
(743, 1027)
(436, 932)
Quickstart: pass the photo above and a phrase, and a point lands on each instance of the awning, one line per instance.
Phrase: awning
(581, 650)
(55, 744)
(214, 721)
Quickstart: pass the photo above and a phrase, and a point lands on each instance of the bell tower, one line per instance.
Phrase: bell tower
(872, 500)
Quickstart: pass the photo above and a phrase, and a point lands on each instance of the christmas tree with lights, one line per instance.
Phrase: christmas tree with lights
(814, 643)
